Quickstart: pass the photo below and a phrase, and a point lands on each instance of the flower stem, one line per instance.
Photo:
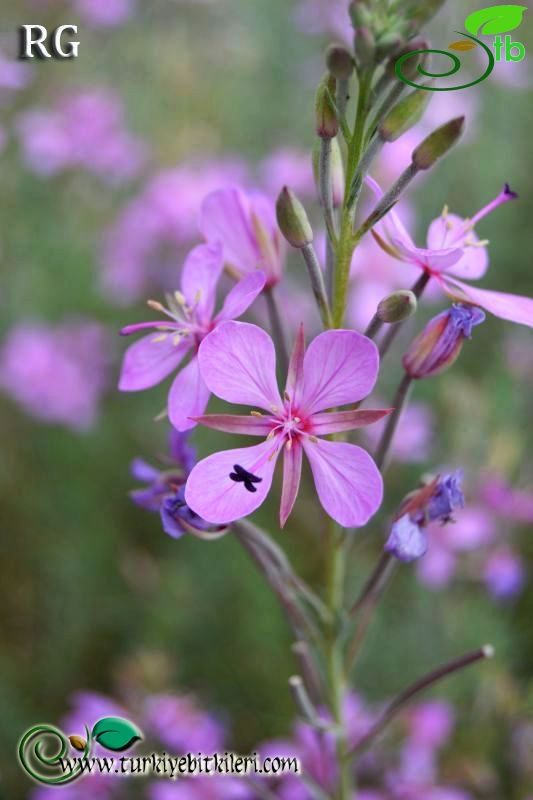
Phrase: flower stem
(399, 403)
(278, 333)
(415, 688)
(317, 283)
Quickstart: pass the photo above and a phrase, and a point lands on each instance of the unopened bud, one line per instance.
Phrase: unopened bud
(77, 743)
(337, 171)
(327, 124)
(388, 44)
(292, 219)
(339, 62)
(404, 115)
(424, 10)
(365, 47)
(438, 346)
(410, 65)
(360, 14)
(438, 143)
(397, 307)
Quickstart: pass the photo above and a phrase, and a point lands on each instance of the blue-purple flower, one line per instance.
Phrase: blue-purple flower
(436, 501)
(165, 491)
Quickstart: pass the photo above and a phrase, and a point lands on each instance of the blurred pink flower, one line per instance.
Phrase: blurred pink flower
(14, 76)
(508, 502)
(504, 574)
(105, 13)
(181, 725)
(412, 443)
(56, 373)
(146, 244)
(328, 17)
(84, 131)
(288, 167)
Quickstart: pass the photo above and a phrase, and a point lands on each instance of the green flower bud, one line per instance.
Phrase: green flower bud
(340, 62)
(327, 124)
(292, 219)
(404, 115)
(365, 47)
(360, 14)
(388, 44)
(337, 170)
(397, 307)
(438, 143)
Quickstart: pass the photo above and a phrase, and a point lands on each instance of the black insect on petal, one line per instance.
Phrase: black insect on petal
(241, 475)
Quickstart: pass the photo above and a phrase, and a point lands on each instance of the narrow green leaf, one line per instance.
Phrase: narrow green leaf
(115, 733)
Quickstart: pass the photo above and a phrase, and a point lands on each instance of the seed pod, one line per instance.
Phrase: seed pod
(327, 125)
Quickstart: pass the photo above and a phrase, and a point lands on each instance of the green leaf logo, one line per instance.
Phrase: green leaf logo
(493, 20)
(115, 733)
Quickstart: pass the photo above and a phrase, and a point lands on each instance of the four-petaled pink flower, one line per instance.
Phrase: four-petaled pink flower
(454, 251)
(245, 225)
(189, 319)
(238, 364)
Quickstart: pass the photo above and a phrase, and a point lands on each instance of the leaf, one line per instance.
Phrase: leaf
(115, 733)
(496, 19)
(463, 44)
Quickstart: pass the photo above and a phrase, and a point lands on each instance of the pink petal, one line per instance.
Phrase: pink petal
(225, 218)
(147, 362)
(391, 226)
(201, 273)
(294, 383)
(511, 307)
(241, 296)
(337, 421)
(474, 262)
(349, 484)
(340, 367)
(235, 423)
(238, 363)
(215, 497)
(188, 397)
(438, 260)
(292, 471)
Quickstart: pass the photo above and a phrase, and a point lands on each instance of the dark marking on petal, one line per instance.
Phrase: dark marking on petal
(241, 475)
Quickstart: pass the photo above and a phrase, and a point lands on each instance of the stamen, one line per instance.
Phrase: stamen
(288, 445)
(313, 439)
(255, 414)
(274, 409)
(156, 305)
(180, 298)
(160, 338)
(271, 435)
(297, 420)
(198, 296)
(161, 416)
(445, 212)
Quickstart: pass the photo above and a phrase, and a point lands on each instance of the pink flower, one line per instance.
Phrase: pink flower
(454, 251)
(105, 13)
(238, 364)
(189, 319)
(245, 225)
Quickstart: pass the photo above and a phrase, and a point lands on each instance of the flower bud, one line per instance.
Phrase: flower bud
(424, 10)
(337, 171)
(365, 47)
(327, 124)
(404, 115)
(77, 742)
(397, 307)
(360, 14)
(438, 143)
(388, 44)
(410, 65)
(340, 62)
(438, 346)
(292, 219)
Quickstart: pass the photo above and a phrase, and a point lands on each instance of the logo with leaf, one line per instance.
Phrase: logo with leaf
(485, 22)
(44, 750)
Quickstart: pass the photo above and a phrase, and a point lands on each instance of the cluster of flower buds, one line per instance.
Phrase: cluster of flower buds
(435, 501)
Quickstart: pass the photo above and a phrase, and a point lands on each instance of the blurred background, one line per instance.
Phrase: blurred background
(105, 160)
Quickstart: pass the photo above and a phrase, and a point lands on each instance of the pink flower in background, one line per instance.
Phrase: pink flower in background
(504, 574)
(14, 76)
(212, 787)
(325, 17)
(510, 503)
(454, 251)
(244, 223)
(412, 443)
(288, 167)
(147, 241)
(181, 726)
(238, 364)
(189, 318)
(105, 13)
(84, 131)
(56, 373)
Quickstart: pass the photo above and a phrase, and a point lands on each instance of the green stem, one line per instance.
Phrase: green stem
(335, 657)
(399, 403)
(347, 241)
